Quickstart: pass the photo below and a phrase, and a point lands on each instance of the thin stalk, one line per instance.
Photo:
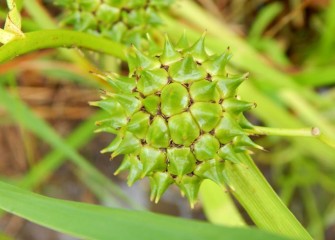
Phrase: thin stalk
(260, 201)
(300, 132)
(304, 110)
(59, 38)
(275, 115)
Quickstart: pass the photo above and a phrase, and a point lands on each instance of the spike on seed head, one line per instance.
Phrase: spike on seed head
(174, 124)
(197, 50)
(183, 43)
(169, 54)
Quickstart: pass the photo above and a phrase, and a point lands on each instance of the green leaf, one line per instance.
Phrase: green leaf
(12, 28)
(88, 221)
(264, 18)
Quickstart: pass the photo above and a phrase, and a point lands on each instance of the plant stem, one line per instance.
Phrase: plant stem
(260, 201)
(300, 132)
(59, 38)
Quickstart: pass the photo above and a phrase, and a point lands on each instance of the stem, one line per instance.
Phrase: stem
(260, 201)
(301, 132)
(302, 108)
(59, 38)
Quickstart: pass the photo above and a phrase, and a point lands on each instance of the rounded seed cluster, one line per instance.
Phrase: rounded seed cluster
(177, 118)
(120, 20)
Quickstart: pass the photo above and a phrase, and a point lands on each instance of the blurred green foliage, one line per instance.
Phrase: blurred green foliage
(292, 71)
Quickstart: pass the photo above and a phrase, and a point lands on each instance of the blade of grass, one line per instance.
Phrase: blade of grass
(260, 201)
(95, 222)
(266, 15)
(316, 225)
(39, 14)
(219, 206)
(326, 45)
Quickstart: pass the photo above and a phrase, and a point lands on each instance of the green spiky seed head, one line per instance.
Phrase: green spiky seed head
(119, 20)
(177, 118)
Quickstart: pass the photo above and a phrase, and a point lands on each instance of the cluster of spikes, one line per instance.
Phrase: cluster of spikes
(119, 20)
(177, 117)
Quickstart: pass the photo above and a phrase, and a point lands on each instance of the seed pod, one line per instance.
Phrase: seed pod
(176, 118)
(122, 21)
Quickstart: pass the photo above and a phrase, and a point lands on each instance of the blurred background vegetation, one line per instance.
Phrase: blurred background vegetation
(47, 142)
